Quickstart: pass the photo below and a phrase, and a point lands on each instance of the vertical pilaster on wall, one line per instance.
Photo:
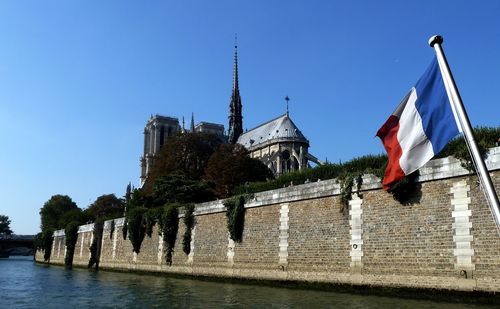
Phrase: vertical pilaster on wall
(91, 240)
(59, 247)
(191, 246)
(115, 242)
(356, 231)
(284, 226)
(160, 249)
(230, 250)
(53, 252)
(462, 236)
(81, 244)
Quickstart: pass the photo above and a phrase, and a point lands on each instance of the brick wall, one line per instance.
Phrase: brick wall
(319, 236)
(443, 238)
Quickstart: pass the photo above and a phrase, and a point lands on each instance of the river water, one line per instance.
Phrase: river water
(24, 284)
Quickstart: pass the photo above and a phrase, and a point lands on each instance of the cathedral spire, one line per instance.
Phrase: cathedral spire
(235, 117)
(287, 99)
(192, 122)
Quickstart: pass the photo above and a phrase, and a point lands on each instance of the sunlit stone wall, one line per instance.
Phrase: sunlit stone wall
(443, 238)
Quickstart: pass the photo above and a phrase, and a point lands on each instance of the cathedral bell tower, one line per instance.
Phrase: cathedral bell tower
(235, 117)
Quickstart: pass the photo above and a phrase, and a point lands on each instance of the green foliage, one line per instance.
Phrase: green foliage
(54, 209)
(73, 215)
(43, 241)
(111, 229)
(150, 217)
(133, 200)
(183, 154)
(169, 225)
(374, 164)
(125, 228)
(106, 207)
(189, 222)
(486, 137)
(235, 213)
(346, 184)
(93, 254)
(135, 226)
(94, 247)
(71, 236)
(230, 166)
(403, 190)
(177, 188)
(5, 226)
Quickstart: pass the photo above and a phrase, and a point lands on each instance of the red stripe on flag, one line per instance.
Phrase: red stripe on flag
(388, 133)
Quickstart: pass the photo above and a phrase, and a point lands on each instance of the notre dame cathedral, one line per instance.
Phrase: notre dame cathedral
(278, 143)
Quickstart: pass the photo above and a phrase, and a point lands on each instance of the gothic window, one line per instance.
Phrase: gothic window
(286, 165)
(169, 132)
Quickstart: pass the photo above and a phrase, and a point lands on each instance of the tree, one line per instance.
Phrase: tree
(74, 215)
(230, 166)
(106, 206)
(176, 188)
(183, 154)
(5, 226)
(54, 209)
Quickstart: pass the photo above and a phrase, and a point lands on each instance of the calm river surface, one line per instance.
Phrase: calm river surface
(23, 284)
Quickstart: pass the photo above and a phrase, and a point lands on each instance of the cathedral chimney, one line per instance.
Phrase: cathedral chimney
(235, 117)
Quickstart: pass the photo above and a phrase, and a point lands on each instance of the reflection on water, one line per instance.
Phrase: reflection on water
(24, 284)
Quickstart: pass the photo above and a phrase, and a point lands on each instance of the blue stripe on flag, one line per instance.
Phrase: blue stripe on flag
(434, 108)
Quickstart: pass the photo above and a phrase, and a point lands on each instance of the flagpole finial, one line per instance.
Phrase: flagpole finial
(436, 39)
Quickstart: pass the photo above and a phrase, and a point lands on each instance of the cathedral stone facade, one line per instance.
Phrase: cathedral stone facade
(158, 130)
(278, 143)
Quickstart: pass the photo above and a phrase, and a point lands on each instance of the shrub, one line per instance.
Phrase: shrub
(169, 224)
(235, 213)
(189, 221)
(135, 227)
(71, 235)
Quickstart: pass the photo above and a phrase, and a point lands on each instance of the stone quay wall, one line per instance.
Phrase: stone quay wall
(445, 239)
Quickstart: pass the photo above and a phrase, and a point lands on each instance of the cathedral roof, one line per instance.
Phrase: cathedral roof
(278, 128)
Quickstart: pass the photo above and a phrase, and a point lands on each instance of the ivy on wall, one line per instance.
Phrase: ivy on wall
(95, 246)
(111, 229)
(43, 241)
(125, 228)
(189, 221)
(346, 189)
(169, 225)
(405, 190)
(71, 236)
(135, 227)
(150, 218)
(235, 213)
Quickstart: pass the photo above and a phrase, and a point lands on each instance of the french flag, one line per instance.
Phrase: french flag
(419, 128)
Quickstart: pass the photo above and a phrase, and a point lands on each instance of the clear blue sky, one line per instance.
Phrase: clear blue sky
(79, 79)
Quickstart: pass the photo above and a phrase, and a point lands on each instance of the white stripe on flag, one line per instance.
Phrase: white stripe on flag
(416, 148)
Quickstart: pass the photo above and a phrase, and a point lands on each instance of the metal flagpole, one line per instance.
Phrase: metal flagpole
(457, 104)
